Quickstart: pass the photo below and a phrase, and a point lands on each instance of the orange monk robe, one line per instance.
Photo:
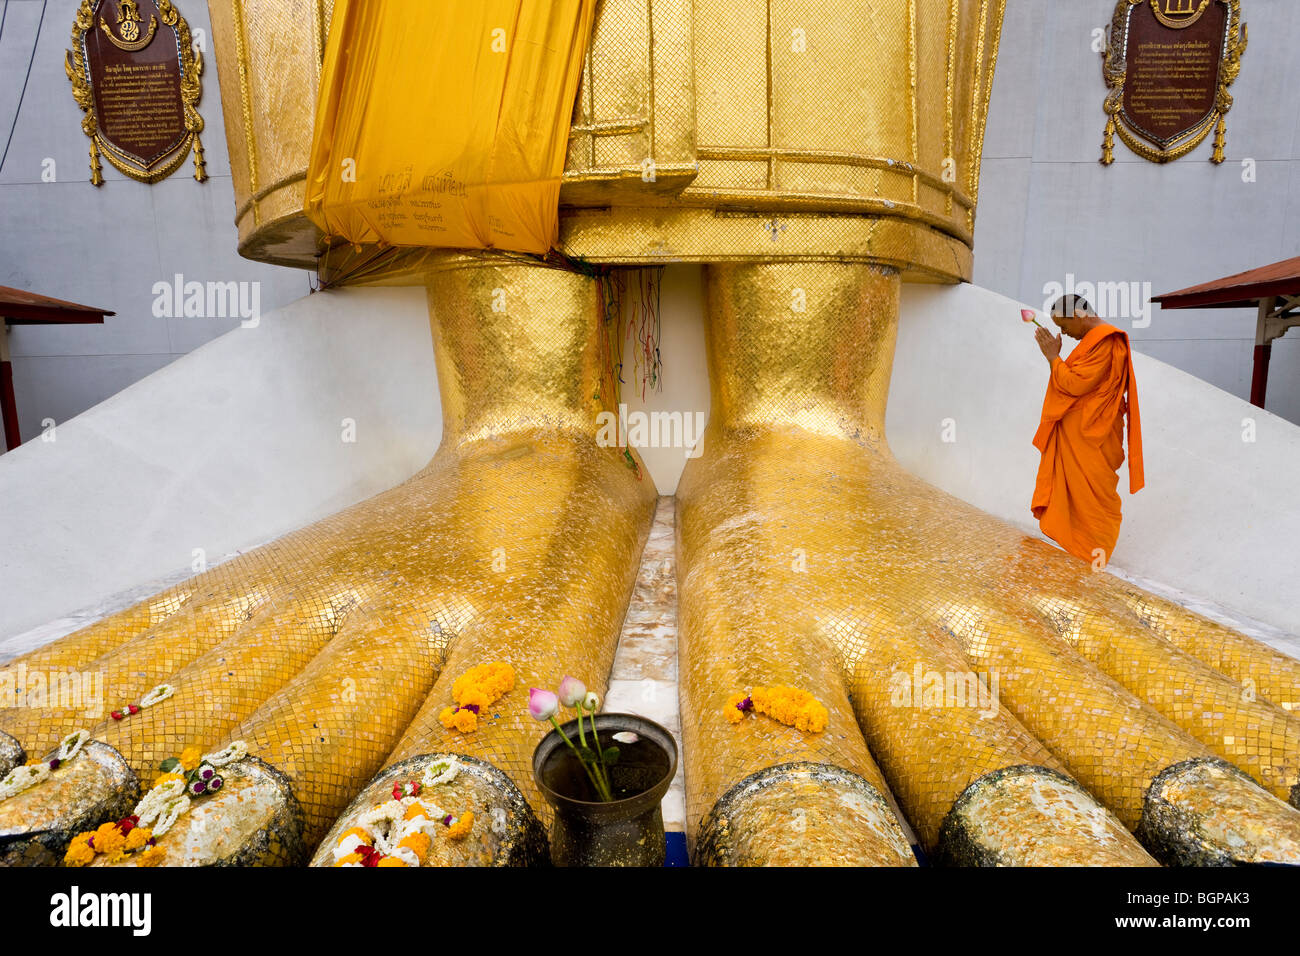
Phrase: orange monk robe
(1081, 438)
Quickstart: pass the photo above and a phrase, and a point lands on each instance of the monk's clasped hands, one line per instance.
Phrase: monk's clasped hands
(1049, 343)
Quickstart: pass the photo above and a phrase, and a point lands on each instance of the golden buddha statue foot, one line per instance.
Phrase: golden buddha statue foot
(254, 820)
(1000, 819)
(330, 654)
(1021, 707)
(37, 824)
(791, 813)
(504, 830)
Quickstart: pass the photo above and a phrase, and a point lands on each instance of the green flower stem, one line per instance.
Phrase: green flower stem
(599, 769)
(596, 738)
(600, 753)
(603, 791)
(603, 771)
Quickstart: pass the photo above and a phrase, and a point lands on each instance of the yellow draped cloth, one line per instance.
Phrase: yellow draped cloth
(445, 122)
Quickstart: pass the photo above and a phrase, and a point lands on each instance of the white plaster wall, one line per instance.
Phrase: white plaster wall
(230, 446)
(1216, 518)
(105, 246)
(241, 441)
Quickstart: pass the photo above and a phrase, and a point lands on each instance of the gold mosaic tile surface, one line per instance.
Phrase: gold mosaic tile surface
(1251, 733)
(1257, 667)
(487, 554)
(808, 557)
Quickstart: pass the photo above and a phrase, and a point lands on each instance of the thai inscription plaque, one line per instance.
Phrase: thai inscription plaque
(136, 77)
(1168, 67)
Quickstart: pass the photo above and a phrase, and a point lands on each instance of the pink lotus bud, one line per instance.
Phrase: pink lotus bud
(542, 704)
(572, 691)
(1027, 315)
(591, 702)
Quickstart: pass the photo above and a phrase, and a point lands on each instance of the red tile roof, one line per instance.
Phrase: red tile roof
(1242, 290)
(19, 307)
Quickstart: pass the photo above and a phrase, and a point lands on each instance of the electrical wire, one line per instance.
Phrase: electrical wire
(30, 60)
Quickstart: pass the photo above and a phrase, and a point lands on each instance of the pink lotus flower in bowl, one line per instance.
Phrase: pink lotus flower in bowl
(572, 691)
(542, 704)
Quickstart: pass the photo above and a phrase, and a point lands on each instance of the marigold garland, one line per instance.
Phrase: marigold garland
(152, 856)
(789, 705)
(461, 827)
(417, 843)
(191, 775)
(112, 840)
(479, 687)
(399, 832)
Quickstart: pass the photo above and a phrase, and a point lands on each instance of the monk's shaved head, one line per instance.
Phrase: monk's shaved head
(1069, 305)
(1074, 316)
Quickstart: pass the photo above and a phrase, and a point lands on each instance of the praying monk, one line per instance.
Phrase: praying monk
(1081, 433)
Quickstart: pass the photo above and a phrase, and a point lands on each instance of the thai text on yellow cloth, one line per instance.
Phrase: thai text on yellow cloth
(445, 122)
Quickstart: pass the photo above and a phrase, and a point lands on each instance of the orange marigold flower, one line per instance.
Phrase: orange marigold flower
(483, 685)
(138, 837)
(417, 809)
(350, 858)
(114, 842)
(458, 718)
(417, 843)
(108, 838)
(162, 778)
(79, 851)
(360, 833)
(462, 826)
(792, 706)
(190, 757)
(732, 710)
(152, 856)
(390, 861)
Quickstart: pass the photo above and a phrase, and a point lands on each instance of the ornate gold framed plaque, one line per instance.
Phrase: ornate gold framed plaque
(1168, 66)
(136, 76)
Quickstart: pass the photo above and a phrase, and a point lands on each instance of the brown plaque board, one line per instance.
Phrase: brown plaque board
(135, 75)
(1168, 65)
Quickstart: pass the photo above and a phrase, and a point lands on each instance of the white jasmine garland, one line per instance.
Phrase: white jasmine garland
(20, 778)
(157, 695)
(406, 855)
(163, 805)
(347, 846)
(238, 750)
(386, 822)
(171, 813)
(443, 771)
(71, 745)
(373, 822)
(388, 826)
(26, 777)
